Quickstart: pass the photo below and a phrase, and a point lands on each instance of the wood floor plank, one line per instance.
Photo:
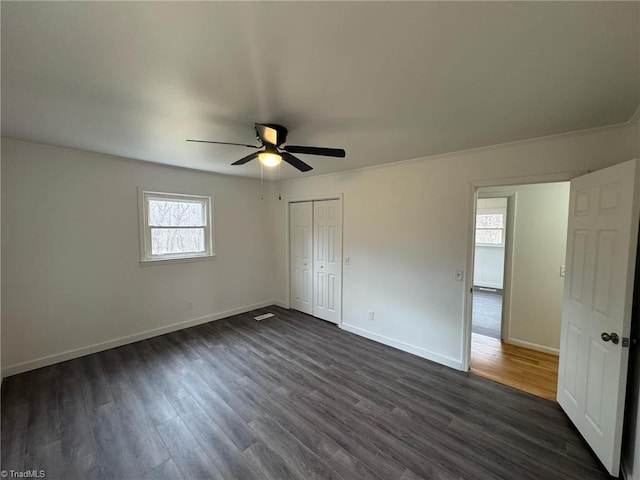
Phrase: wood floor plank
(167, 471)
(290, 397)
(186, 452)
(155, 402)
(350, 467)
(411, 451)
(303, 430)
(145, 443)
(299, 458)
(115, 456)
(409, 475)
(220, 412)
(349, 438)
(214, 442)
(271, 465)
(15, 418)
(77, 440)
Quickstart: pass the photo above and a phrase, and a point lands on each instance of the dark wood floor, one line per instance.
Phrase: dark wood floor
(487, 313)
(288, 397)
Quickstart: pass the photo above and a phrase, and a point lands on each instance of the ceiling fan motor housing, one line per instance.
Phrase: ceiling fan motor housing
(271, 133)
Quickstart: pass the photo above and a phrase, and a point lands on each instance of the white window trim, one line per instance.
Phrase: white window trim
(145, 230)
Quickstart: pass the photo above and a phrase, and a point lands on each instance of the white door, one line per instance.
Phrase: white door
(327, 264)
(301, 248)
(601, 251)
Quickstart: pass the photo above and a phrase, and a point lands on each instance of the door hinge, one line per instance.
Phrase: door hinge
(629, 341)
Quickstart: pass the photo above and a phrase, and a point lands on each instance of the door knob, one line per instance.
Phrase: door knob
(613, 337)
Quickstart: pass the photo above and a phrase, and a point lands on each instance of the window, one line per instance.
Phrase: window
(490, 229)
(175, 226)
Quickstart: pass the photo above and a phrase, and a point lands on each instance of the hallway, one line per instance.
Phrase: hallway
(487, 313)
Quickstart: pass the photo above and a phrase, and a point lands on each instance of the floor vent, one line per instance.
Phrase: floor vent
(262, 317)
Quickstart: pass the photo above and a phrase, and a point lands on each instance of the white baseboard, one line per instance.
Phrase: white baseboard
(405, 347)
(280, 303)
(532, 346)
(489, 285)
(118, 342)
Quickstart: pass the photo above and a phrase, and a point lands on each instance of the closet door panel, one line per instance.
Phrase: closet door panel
(327, 264)
(301, 253)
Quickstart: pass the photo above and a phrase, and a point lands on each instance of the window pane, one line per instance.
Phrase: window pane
(166, 241)
(492, 237)
(167, 213)
(493, 220)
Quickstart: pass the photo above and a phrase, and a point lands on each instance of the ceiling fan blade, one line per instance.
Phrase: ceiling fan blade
(224, 143)
(295, 162)
(326, 152)
(246, 159)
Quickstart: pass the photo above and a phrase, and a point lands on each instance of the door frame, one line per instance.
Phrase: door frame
(287, 249)
(471, 225)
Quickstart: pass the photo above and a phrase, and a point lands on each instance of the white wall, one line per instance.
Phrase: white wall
(71, 275)
(538, 244)
(488, 267)
(407, 227)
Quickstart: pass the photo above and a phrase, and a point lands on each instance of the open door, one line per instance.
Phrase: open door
(594, 345)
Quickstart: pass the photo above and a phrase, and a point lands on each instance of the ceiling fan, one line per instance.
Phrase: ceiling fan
(272, 136)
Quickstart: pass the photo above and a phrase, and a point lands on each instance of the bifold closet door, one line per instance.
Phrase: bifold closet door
(327, 260)
(301, 247)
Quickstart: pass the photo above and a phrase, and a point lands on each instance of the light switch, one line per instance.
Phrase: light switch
(347, 260)
(562, 270)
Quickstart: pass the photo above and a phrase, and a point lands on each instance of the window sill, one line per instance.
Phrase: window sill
(168, 261)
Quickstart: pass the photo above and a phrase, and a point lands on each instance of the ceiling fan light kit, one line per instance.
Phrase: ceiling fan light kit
(269, 159)
(272, 136)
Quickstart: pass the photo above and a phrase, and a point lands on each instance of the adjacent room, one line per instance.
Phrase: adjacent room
(329, 240)
(518, 284)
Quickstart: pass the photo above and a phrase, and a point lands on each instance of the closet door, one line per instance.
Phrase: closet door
(301, 247)
(327, 260)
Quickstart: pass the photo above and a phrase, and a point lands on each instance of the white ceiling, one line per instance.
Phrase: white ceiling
(387, 81)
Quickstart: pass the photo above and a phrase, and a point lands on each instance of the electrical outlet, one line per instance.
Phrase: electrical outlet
(459, 275)
(189, 305)
(562, 270)
(371, 315)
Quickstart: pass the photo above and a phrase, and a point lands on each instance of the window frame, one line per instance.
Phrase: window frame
(146, 256)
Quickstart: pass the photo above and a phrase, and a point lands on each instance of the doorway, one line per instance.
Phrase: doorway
(601, 243)
(518, 285)
(488, 268)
